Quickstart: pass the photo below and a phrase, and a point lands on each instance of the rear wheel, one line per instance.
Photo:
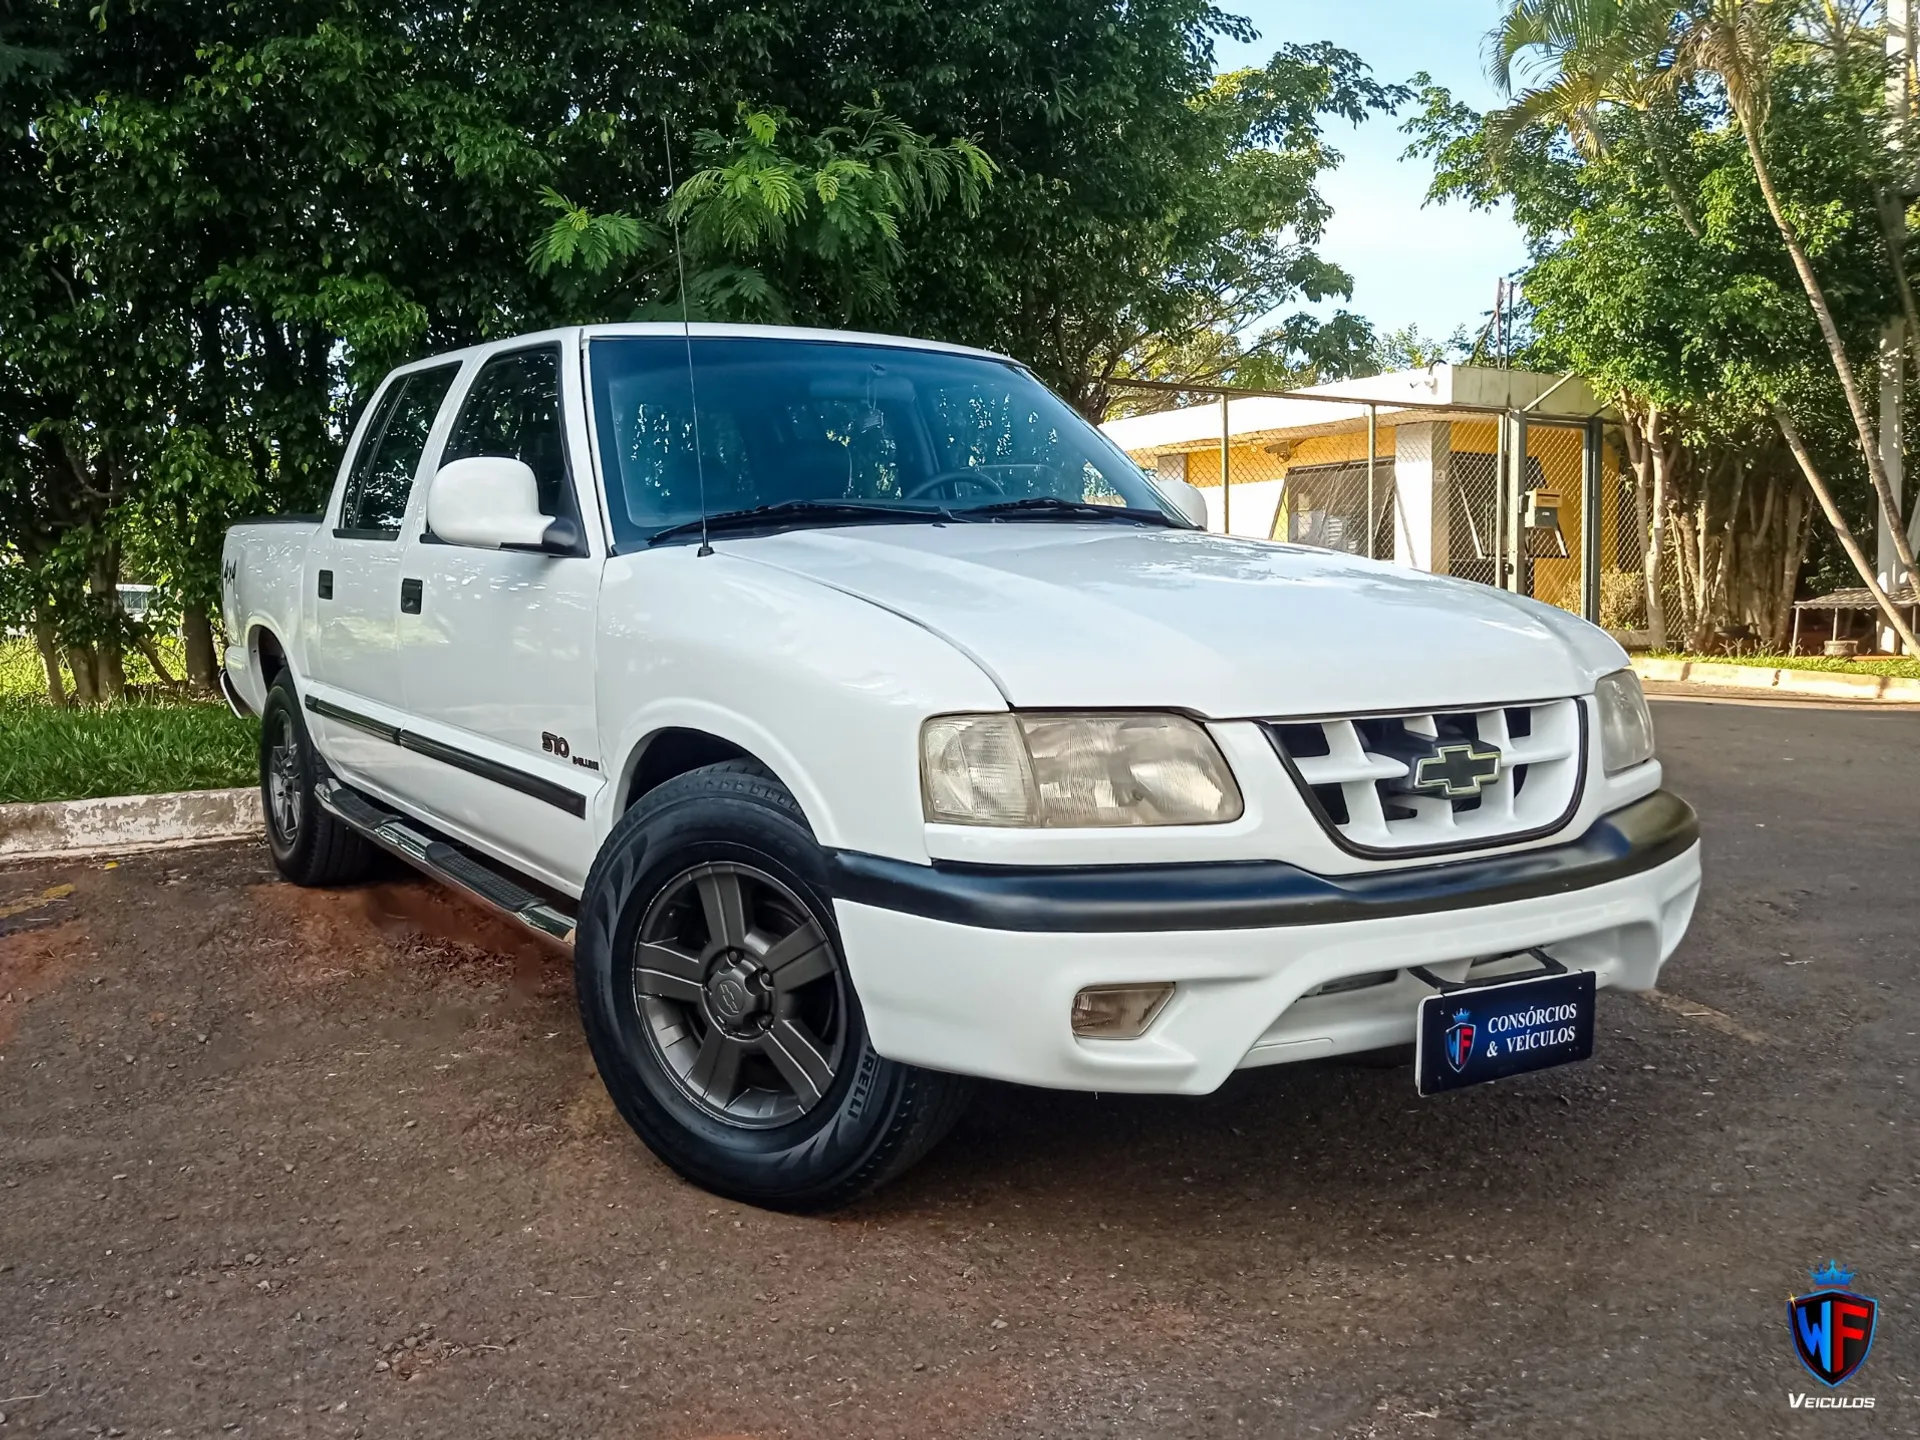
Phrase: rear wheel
(719, 1009)
(309, 846)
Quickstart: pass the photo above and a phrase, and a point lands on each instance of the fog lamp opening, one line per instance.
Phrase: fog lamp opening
(1118, 1012)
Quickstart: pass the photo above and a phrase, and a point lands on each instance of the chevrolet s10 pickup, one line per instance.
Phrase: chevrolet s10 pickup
(867, 722)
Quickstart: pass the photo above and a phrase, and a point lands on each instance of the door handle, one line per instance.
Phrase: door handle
(325, 587)
(409, 597)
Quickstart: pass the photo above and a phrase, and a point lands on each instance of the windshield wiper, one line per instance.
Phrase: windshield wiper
(1049, 507)
(825, 512)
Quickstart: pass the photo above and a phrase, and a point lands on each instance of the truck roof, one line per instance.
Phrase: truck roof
(701, 329)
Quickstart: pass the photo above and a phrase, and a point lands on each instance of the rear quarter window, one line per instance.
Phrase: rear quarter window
(388, 460)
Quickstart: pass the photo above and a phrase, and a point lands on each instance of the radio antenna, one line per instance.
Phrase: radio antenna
(686, 333)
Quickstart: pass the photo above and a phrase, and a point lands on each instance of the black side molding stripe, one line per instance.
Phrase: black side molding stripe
(388, 733)
(538, 786)
(1254, 894)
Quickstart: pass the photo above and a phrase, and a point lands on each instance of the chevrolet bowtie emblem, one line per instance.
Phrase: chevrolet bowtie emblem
(1457, 769)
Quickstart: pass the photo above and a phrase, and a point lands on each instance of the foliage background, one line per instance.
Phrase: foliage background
(1658, 272)
(221, 221)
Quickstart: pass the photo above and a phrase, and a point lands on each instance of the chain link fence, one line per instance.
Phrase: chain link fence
(1623, 584)
(1474, 521)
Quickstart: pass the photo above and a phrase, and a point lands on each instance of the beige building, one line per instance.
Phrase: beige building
(1417, 466)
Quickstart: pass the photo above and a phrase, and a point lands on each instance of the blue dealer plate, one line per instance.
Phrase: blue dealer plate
(1493, 1031)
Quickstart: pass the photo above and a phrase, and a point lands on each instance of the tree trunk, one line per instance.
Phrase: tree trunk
(103, 595)
(50, 659)
(86, 684)
(1691, 619)
(1656, 533)
(1717, 560)
(1836, 351)
(1893, 226)
(143, 641)
(1681, 206)
(1844, 532)
(110, 670)
(1799, 531)
(201, 665)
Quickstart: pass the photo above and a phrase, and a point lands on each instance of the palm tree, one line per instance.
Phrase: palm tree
(1607, 57)
(1627, 52)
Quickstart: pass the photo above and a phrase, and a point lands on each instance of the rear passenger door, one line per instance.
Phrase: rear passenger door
(352, 586)
(497, 653)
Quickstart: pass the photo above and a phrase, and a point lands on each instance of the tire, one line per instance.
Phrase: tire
(753, 1080)
(309, 846)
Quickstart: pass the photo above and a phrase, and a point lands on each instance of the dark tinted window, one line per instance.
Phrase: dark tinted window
(513, 409)
(784, 420)
(382, 475)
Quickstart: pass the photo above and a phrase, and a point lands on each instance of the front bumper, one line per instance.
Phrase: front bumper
(973, 969)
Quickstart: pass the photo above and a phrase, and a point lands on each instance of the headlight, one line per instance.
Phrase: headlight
(1058, 770)
(1626, 725)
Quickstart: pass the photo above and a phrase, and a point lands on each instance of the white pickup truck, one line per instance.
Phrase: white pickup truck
(866, 722)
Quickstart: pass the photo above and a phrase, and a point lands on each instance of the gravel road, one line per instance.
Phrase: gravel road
(286, 1163)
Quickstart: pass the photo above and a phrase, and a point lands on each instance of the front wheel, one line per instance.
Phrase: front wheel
(719, 1009)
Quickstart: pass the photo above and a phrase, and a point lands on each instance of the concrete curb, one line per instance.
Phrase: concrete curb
(1826, 684)
(117, 823)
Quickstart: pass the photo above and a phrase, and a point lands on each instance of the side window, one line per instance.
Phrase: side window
(383, 471)
(513, 408)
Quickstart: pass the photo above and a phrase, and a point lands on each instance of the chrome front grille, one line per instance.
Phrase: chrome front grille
(1359, 771)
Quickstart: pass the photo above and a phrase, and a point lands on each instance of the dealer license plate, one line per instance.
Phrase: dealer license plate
(1489, 1032)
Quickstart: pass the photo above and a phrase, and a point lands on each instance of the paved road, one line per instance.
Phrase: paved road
(290, 1164)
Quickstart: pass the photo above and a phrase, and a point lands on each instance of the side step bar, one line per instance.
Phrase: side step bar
(419, 847)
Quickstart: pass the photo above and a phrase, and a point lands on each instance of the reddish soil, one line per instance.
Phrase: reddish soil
(39, 940)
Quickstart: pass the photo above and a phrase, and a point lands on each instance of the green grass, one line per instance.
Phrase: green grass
(21, 674)
(23, 677)
(1904, 666)
(147, 744)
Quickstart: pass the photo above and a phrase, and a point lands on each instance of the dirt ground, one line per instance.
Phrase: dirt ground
(285, 1163)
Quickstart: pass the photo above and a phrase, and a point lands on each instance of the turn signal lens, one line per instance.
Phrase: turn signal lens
(1626, 725)
(1067, 770)
(1118, 1012)
(974, 770)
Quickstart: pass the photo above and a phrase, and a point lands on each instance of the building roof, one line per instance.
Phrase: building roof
(1458, 392)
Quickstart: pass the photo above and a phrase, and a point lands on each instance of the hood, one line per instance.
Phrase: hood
(1100, 615)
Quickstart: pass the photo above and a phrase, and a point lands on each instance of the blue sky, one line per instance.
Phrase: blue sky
(1433, 267)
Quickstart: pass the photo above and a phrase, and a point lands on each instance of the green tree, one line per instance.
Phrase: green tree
(1637, 53)
(222, 220)
(1301, 350)
(1695, 334)
(776, 225)
(1222, 232)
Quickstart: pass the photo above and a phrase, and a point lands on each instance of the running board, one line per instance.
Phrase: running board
(421, 848)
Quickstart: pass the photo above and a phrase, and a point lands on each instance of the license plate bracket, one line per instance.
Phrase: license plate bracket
(1469, 1034)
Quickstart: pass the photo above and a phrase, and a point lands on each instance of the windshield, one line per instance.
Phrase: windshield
(836, 426)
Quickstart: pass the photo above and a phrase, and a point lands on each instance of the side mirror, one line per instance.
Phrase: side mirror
(492, 502)
(1186, 499)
